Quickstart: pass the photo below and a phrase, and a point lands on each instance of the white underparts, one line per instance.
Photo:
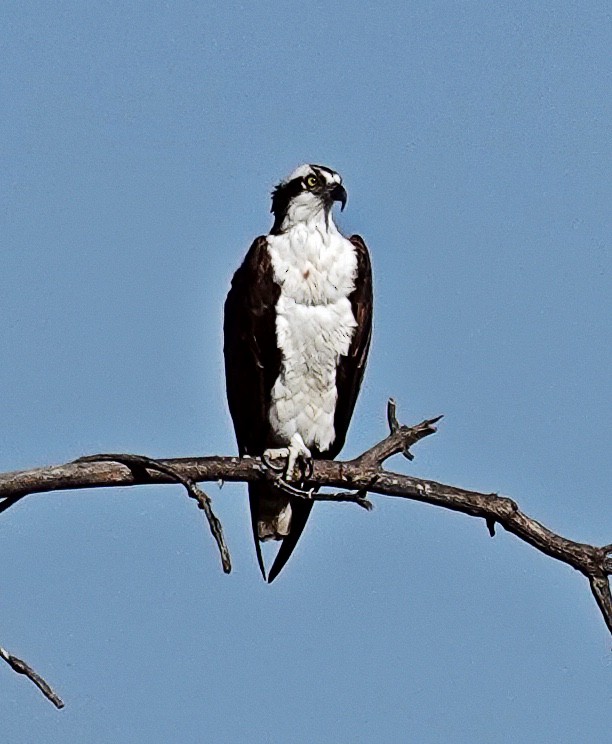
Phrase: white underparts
(315, 267)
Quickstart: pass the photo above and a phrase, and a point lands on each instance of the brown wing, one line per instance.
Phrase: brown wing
(252, 358)
(352, 366)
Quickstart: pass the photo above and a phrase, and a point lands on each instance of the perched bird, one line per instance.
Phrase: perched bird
(297, 328)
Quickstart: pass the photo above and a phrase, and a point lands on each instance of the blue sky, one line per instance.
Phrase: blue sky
(138, 145)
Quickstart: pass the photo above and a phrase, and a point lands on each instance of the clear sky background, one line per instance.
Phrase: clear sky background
(139, 143)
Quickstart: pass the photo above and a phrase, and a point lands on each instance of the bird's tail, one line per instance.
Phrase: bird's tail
(276, 516)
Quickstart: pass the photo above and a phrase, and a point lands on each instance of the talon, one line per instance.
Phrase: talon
(308, 462)
(275, 454)
(296, 453)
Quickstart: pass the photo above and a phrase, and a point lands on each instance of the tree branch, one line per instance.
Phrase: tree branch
(357, 477)
(19, 666)
(138, 462)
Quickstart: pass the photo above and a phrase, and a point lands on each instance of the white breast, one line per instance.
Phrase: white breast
(315, 267)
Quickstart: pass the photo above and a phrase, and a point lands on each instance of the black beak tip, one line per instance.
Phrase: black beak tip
(339, 194)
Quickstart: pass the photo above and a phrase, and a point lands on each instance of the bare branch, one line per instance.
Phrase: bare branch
(20, 666)
(392, 416)
(400, 438)
(204, 502)
(600, 586)
(355, 479)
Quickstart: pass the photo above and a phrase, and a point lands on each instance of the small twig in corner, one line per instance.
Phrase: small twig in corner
(19, 666)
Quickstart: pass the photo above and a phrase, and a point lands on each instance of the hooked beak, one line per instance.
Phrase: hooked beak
(338, 193)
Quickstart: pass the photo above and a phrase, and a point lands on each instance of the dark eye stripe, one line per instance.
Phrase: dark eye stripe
(321, 168)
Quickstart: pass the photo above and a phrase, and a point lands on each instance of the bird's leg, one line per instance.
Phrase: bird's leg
(298, 453)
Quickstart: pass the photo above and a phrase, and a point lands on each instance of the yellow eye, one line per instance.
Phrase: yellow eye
(311, 181)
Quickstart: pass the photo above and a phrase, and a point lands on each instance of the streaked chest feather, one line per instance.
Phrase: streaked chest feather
(315, 270)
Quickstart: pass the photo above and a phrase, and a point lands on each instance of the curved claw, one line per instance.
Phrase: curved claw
(280, 468)
(308, 463)
(284, 460)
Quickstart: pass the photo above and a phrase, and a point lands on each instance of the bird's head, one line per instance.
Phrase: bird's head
(307, 194)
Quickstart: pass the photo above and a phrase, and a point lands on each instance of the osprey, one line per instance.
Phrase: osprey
(297, 328)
